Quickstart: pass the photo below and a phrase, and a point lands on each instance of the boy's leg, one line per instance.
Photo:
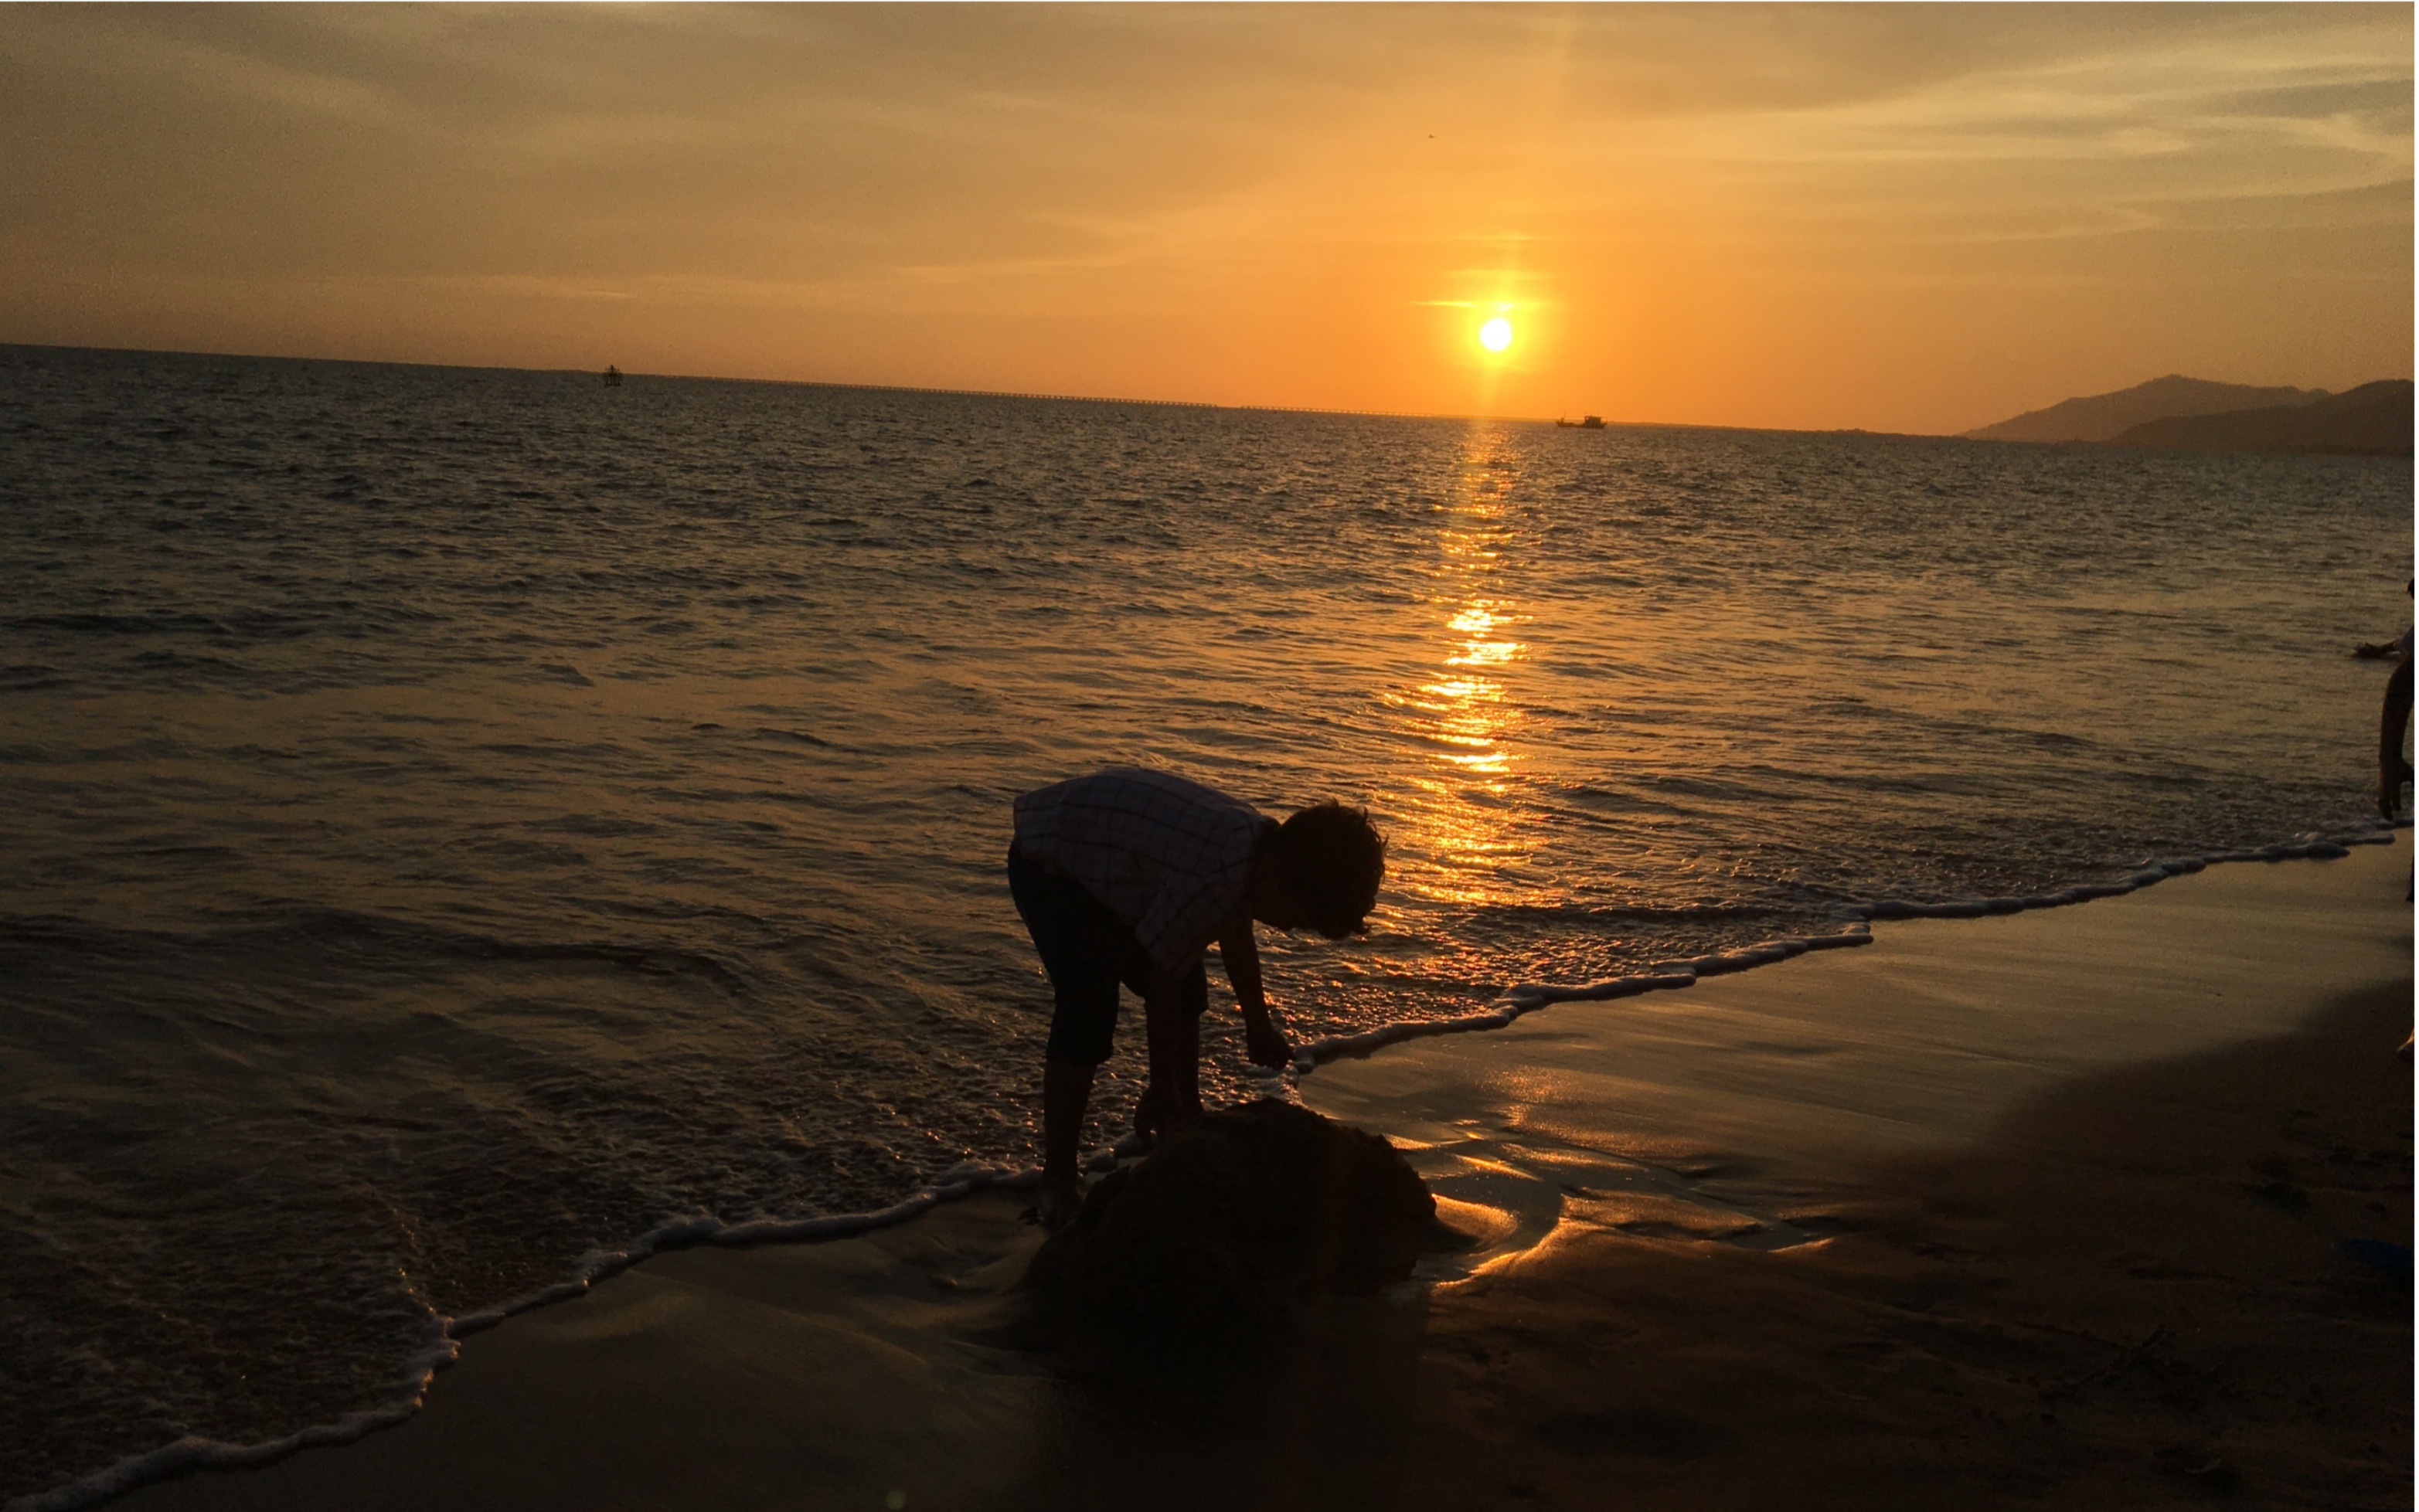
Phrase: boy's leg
(1066, 1093)
(1175, 1063)
(1080, 943)
(1172, 1010)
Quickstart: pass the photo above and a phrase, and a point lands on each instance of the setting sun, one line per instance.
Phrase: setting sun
(1496, 334)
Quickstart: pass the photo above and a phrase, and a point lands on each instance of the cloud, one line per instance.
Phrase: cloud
(1198, 182)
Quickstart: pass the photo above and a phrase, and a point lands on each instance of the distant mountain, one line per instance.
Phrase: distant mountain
(2373, 420)
(2104, 417)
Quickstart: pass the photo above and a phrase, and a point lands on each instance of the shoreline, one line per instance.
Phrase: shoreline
(1510, 1231)
(1514, 1002)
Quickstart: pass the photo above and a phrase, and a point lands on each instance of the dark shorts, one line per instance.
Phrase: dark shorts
(1088, 953)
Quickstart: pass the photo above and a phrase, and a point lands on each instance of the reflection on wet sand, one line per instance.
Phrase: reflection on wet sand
(1462, 832)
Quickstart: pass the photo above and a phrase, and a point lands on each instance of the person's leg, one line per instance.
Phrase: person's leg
(1175, 1091)
(1066, 1094)
(1173, 1097)
(1081, 945)
(2393, 720)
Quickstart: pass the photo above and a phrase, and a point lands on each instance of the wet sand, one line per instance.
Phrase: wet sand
(2038, 1210)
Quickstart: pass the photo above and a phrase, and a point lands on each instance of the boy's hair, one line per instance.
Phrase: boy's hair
(1334, 860)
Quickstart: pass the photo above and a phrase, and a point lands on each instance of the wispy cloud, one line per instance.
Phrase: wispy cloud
(1291, 204)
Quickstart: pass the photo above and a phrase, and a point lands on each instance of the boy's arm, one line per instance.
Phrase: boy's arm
(1263, 1041)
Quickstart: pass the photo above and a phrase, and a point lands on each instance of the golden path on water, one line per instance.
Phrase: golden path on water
(1462, 825)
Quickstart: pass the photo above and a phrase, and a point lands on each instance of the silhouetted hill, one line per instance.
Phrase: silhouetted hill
(2372, 420)
(2104, 417)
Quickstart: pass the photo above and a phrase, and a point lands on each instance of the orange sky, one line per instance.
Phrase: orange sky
(1896, 218)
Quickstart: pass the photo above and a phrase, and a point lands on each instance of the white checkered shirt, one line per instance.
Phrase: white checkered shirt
(1170, 858)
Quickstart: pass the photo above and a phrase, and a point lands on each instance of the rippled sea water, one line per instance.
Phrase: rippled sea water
(458, 820)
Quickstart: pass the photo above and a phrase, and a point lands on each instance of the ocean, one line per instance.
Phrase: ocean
(463, 821)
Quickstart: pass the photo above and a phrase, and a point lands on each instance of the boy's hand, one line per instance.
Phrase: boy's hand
(1265, 1043)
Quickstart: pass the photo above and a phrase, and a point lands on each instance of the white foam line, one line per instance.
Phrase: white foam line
(1529, 998)
(444, 1346)
(193, 1453)
(446, 1333)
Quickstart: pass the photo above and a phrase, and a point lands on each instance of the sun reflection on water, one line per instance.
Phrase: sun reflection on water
(1464, 823)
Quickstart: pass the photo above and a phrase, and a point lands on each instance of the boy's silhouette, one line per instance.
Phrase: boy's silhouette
(1125, 876)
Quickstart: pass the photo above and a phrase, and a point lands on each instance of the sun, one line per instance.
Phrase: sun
(1496, 335)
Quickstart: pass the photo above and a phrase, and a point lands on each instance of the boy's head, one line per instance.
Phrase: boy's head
(1329, 860)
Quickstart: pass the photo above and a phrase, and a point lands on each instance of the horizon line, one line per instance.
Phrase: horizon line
(984, 394)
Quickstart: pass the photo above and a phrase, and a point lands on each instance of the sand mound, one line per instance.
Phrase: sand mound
(1207, 1246)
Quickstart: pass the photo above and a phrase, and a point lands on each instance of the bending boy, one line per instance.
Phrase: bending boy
(1126, 877)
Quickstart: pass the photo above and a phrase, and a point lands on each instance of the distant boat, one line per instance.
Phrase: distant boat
(612, 376)
(1589, 422)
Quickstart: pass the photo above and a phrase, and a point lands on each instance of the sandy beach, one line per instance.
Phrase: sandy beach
(2046, 1209)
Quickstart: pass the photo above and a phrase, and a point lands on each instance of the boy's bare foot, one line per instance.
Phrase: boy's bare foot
(1265, 1043)
(1058, 1203)
(1148, 1110)
(1155, 1116)
(1158, 1114)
